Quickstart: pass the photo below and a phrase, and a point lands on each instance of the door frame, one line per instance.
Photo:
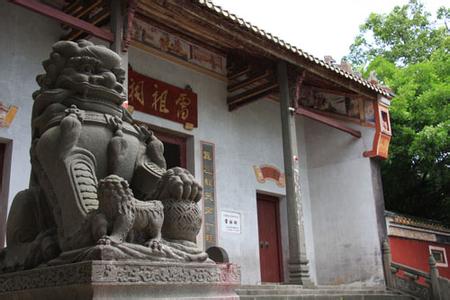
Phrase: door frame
(275, 199)
(176, 140)
(5, 186)
(171, 137)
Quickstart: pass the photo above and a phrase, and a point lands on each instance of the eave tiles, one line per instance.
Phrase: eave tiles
(277, 41)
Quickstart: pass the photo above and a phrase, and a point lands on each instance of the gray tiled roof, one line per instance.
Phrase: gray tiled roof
(407, 220)
(275, 40)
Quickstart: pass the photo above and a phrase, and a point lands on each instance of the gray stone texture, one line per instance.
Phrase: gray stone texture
(99, 187)
(123, 280)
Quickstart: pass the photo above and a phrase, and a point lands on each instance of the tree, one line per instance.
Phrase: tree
(410, 54)
(404, 36)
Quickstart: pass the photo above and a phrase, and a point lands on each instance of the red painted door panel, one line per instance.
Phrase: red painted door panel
(269, 239)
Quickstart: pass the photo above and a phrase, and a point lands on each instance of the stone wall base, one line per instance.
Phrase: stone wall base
(123, 280)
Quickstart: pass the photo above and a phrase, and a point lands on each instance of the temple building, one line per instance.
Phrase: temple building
(286, 145)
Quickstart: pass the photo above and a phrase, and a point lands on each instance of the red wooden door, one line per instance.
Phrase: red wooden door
(269, 239)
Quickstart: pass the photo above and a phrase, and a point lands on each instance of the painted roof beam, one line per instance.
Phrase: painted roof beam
(242, 84)
(327, 121)
(67, 19)
(249, 100)
(270, 86)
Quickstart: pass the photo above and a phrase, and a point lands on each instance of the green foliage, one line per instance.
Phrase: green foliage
(413, 59)
(404, 36)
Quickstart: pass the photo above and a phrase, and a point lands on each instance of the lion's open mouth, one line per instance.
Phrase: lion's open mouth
(89, 91)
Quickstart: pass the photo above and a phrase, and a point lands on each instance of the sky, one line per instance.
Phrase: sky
(319, 27)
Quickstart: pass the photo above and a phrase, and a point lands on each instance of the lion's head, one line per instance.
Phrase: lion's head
(82, 74)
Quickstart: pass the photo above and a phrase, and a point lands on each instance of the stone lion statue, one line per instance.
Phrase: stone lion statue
(99, 187)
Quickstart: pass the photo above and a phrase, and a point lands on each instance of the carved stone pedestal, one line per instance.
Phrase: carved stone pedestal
(123, 280)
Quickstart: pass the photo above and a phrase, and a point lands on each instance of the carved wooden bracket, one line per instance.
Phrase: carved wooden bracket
(250, 83)
(131, 10)
(383, 132)
(327, 121)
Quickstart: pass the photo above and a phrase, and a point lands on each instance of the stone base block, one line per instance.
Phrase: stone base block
(128, 280)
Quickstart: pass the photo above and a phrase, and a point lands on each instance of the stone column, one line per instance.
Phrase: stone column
(435, 289)
(298, 263)
(387, 261)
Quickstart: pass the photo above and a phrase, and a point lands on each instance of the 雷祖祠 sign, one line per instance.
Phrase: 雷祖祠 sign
(230, 222)
(161, 99)
(209, 201)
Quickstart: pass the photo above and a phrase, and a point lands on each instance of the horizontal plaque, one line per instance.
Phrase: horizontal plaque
(161, 99)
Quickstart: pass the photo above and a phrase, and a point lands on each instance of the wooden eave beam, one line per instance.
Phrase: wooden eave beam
(244, 71)
(87, 9)
(251, 99)
(97, 19)
(318, 83)
(253, 92)
(74, 6)
(327, 121)
(245, 37)
(131, 12)
(242, 84)
(331, 91)
(84, 10)
(60, 16)
(170, 18)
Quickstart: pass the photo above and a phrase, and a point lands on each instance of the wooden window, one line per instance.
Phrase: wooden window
(439, 255)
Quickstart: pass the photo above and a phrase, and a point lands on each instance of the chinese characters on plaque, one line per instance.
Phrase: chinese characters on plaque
(160, 99)
(209, 201)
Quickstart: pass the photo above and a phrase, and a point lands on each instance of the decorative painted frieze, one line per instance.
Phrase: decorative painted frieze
(7, 114)
(268, 172)
(175, 46)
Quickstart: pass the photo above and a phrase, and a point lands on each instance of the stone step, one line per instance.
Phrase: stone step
(307, 292)
(290, 292)
(317, 288)
(327, 297)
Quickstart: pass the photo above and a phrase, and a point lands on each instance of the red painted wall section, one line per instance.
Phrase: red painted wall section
(415, 253)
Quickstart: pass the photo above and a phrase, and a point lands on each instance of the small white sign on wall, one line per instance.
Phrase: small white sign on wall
(231, 222)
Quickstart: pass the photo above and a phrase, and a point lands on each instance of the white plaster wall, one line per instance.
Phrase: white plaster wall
(26, 39)
(243, 138)
(343, 206)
